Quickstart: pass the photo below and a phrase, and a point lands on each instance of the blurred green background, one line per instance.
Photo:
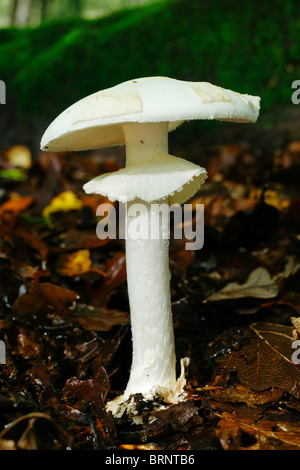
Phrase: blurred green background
(53, 53)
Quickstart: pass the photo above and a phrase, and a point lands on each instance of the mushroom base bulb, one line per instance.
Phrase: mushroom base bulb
(158, 397)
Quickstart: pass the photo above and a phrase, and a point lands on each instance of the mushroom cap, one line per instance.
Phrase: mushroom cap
(96, 121)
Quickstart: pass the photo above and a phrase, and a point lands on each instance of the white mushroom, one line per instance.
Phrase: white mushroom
(139, 113)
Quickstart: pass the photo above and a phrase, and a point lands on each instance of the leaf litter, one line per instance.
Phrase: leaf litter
(64, 314)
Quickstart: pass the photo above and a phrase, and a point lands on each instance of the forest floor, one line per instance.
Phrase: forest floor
(64, 315)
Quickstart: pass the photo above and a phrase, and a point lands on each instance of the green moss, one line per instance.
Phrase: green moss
(251, 50)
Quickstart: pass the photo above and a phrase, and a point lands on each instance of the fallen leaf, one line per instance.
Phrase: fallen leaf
(65, 201)
(27, 345)
(264, 359)
(44, 297)
(242, 394)
(74, 240)
(115, 275)
(74, 264)
(260, 283)
(16, 204)
(91, 393)
(99, 319)
(236, 433)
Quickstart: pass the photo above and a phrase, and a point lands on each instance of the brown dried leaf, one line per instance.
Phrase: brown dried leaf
(116, 269)
(92, 392)
(265, 359)
(100, 319)
(182, 417)
(43, 298)
(237, 433)
(76, 240)
(243, 394)
(260, 283)
(115, 275)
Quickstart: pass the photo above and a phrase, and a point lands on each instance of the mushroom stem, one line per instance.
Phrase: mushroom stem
(142, 140)
(148, 278)
(148, 273)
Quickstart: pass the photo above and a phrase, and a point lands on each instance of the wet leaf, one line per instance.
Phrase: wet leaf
(89, 395)
(157, 424)
(265, 359)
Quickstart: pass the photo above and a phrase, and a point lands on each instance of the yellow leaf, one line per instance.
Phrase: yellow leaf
(65, 201)
(75, 263)
(271, 197)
